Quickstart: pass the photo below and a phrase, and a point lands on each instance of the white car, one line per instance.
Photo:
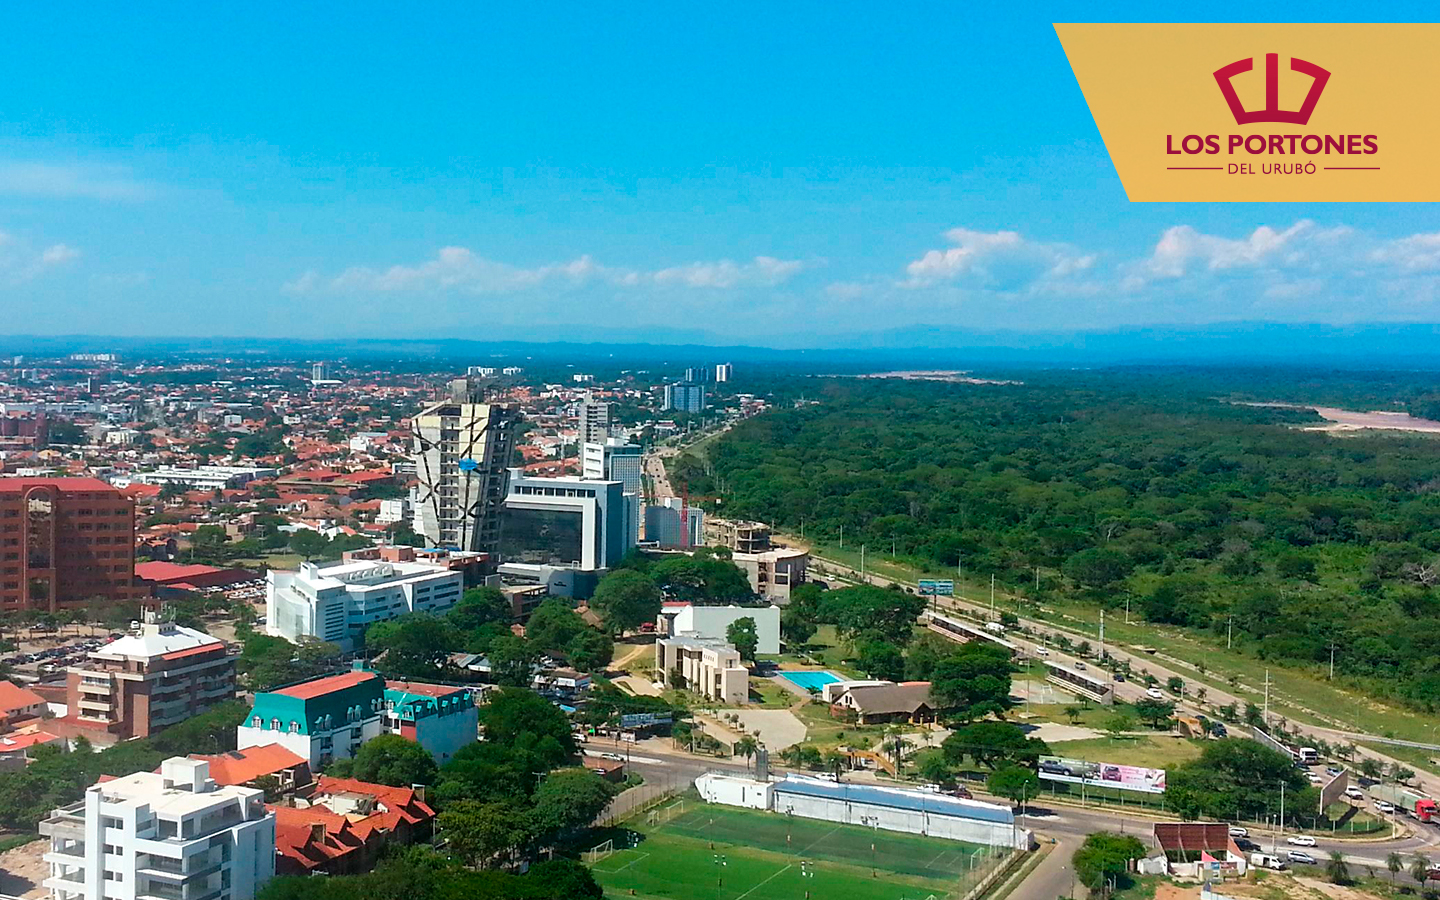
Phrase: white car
(1154, 693)
(1300, 840)
(1382, 806)
(1314, 778)
(1041, 651)
(1237, 831)
(1300, 856)
(1354, 793)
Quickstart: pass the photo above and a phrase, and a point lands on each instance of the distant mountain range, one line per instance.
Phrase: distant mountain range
(1370, 345)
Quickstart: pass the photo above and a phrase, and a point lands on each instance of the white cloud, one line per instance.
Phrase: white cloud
(997, 260)
(21, 262)
(92, 182)
(459, 268)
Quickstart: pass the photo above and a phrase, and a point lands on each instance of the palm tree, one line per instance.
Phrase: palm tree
(1420, 870)
(746, 747)
(1394, 862)
(896, 742)
(1073, 713)
(1336, 869)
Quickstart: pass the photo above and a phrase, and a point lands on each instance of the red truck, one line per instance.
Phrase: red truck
(1413, 803)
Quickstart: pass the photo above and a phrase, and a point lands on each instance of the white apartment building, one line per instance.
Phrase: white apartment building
(201, 478)
(336, 601)
(392, 511)
(712, 622)
(709, 668)
(172, 835)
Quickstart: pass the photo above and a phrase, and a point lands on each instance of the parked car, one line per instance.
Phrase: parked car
(1237, 831)
(1119, 676)
(1300, 856)
(1154, 693)
(1315, 778)
(1041, 651)
(1300, 840)
(1354, 793)
(1079, 664)
(1333, 771)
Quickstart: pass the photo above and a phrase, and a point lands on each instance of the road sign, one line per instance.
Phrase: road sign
(936, 588)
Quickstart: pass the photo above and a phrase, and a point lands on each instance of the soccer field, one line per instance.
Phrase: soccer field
(711, 852)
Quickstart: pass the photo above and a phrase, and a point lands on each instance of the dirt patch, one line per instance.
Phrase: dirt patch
(1167, 891)
(23, 869)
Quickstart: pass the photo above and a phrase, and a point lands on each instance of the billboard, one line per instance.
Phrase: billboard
(1333, 790)
(937, 588)
(1125, 778)
(644, 720)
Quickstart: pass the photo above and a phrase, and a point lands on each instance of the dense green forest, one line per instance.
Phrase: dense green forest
(1151, 485)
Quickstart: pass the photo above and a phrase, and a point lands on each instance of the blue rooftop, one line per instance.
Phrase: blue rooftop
(919, 801)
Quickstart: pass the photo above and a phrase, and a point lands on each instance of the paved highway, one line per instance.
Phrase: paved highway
(1131, 691)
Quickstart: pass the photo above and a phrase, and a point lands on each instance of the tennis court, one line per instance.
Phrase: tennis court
(709, 852)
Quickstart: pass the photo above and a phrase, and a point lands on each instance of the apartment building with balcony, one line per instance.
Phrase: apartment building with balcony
(710, 668)
(171, 835)
(64, 543)
(156, 676)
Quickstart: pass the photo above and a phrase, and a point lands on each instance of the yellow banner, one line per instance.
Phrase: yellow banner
(1271, 113)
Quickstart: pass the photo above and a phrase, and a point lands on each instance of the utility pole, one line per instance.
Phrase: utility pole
(992, 596)
(842, 537)
(1282, 807)
(1037, 581)
(1127, 609)
(1102, 635)
(862, 562)
(1265, 716)
(1229, 628)
(1332, 660)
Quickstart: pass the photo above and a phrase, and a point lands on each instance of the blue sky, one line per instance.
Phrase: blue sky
(743, 171)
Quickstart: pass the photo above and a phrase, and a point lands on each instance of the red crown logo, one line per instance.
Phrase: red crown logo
(1272, 111)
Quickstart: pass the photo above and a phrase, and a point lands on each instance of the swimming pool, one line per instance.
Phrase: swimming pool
(809, 680)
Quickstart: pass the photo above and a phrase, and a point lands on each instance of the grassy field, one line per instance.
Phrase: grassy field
(1150, 751)
(710, 852)
(272, 560)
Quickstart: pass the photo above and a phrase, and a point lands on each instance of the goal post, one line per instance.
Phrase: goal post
(598, 852)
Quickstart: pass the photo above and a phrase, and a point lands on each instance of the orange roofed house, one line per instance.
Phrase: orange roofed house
(343, 828)
(65, 542)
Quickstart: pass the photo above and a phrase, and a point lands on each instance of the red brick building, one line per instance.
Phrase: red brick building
(65, 542)
(152, 678)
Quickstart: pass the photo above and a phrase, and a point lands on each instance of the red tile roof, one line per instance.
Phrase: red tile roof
(241, 766)
(295, 837)
(321, 686)
(424, 690)
(13, 697)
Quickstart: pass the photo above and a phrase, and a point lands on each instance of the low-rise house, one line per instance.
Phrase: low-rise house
(345, 825)
(878, 703)
(270, 767)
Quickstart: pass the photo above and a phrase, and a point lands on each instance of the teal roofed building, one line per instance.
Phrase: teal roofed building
(440, 718)
(329, 718)
(320, 720)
